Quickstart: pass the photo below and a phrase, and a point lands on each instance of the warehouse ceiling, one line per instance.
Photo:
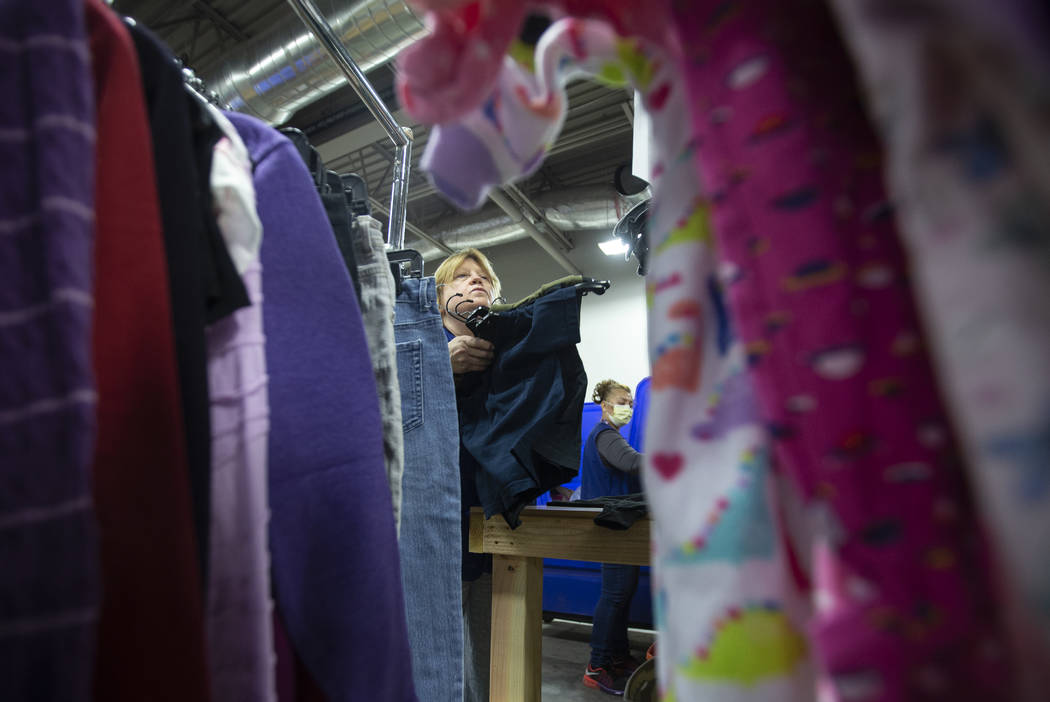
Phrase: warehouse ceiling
(207, 34)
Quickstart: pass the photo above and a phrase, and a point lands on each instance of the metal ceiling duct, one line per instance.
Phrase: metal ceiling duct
(286, 69)
(583, 208)
(587, 208)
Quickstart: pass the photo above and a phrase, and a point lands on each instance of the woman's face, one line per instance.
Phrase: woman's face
(614, 398)
(472, 282)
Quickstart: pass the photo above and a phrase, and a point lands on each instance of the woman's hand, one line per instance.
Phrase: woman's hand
(469, 353)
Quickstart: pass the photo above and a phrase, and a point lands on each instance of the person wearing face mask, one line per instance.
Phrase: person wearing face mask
(610, 466)
(464, 281)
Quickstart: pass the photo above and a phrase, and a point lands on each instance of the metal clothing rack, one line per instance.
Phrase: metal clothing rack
(196, 86)
(401, 136)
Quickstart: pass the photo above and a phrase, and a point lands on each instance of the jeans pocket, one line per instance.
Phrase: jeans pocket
(410, 377)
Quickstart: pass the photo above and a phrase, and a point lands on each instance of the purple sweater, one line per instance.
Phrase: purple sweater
(337, 580)
(49, 587)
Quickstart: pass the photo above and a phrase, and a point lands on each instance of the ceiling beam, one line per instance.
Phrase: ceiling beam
(358, 138)
(411, 228)
(388, 154)
(220, 21)
(542, 238)
(173, 22)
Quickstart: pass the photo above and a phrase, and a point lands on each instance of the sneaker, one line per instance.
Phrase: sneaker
(625, 665)
(604, 680)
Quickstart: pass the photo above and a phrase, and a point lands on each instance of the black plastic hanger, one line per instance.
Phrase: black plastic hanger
(311, 157)
(398, 259)
(332, 182)
(356, 191)
(481, 319)
(590, 285)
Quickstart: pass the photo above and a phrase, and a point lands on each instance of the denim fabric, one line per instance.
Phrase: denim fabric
(376, 297)
(477, 637)
(521, 420)
(430, 500)
(609, 633)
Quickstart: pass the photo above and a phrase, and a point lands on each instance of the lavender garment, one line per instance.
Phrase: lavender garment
(49, 589)
(239, 619)
(336, 575)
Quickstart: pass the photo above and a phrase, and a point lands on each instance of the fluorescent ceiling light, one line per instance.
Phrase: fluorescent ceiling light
(613, 247)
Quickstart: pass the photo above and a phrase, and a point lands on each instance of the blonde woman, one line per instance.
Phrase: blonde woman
(465, 280)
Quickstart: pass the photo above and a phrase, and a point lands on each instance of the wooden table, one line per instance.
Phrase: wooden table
(517, 581)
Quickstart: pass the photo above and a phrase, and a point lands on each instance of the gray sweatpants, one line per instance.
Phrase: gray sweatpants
(377, 310)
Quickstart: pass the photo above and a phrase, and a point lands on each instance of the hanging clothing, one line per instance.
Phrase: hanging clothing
(151, 632)
(377, 298)
(731, 621)
(233, 196)
(474, 564)
(294, 681)
(521, 420)
(455, 68)
(332, 536)
(49, 580)
(185, 219)
(431, 555)
(968, 175)
(239, 609)
(837, 358)
(239, 628)
(342, 221)
(720, 572)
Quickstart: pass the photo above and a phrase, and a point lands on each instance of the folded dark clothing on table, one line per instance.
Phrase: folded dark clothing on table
(618, 511)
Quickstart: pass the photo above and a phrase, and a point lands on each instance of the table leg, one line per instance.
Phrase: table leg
(517, 629)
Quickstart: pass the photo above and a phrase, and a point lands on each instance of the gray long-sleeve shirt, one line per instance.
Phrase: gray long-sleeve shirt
(616, 453)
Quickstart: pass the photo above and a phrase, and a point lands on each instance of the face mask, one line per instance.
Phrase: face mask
(621, 414)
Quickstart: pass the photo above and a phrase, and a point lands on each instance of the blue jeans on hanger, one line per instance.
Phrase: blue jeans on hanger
(609, 633)
(431, 552)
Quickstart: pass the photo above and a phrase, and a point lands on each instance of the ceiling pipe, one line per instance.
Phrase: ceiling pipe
(401, 136)
(589, 207)
(519, 218)
(581, 208)
(286, 69)
(537, 217)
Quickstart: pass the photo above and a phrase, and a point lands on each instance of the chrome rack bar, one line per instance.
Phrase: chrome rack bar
(401, 136)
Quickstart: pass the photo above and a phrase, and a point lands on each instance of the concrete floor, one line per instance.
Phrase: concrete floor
(566, 649)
